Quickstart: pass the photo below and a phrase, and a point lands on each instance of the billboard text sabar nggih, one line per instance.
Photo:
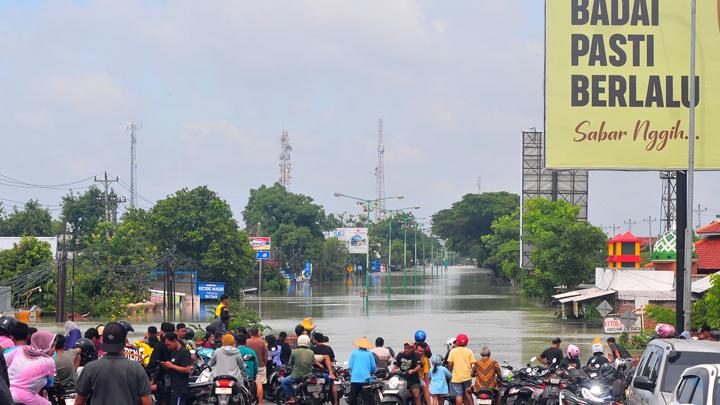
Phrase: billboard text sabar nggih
(617, 88)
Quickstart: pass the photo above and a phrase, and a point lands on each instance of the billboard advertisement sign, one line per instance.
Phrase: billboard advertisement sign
(210, 291)
(617, 84)
(613, 326)
(260, 243)
(356, 238)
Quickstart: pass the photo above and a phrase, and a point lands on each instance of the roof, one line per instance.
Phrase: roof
(702, 285)
(665, 248)
(708, 253)
(582, 295)
(688, 345)
(712, 228)
(626, 237)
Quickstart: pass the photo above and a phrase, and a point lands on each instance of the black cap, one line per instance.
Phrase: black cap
(114, 337)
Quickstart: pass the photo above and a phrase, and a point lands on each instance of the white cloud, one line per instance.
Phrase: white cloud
(87, 94)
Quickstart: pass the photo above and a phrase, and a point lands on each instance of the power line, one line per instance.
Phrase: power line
(24, 183)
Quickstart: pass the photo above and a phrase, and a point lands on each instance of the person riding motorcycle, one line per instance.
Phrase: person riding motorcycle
(301, 361)
(573, 358)
(227, 359)
(88, 353)
(31, 368)
(420, 340)
(598, 358)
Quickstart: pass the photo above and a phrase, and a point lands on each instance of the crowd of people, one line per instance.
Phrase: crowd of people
(104, 365)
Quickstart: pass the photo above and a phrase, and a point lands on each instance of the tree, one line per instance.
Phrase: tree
(503, 245)
(82, 213)
(275, 206)
(200, 225)
(705, 311)
(335, 258)
(296, 245)
(24, 256)
(32, 220)
(565, 250)
(463, 225)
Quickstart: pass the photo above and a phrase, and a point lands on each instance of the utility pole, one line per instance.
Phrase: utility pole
(259, 225)
(106, 195)
(133, 128)
(415, 255)
(699, 211)
(115, 200)
(650, 221)
(60, 315)
(630, 223)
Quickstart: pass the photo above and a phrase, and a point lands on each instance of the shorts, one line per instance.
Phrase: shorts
(261, 377)
(458, 389)
(413, 386)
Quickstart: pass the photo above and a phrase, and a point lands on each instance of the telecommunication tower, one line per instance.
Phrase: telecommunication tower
(380, 175)
(668, 207)
(285, 164)
(133, 128)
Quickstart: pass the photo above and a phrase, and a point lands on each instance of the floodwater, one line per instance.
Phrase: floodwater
(443, 303)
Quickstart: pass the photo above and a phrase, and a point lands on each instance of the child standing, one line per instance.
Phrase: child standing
(439, 377)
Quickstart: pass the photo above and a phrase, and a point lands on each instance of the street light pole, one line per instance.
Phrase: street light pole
(389, 269)
(404, 254)
(415, 255)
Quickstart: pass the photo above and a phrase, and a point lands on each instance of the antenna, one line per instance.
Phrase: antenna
(285, 164)
(133, 128)
(380, 175)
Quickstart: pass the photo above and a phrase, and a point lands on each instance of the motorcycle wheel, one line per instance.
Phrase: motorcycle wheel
(279, 396)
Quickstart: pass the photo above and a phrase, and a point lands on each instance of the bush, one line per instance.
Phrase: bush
(660, 314)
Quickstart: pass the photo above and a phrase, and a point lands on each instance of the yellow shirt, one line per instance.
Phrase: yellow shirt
(425, 367)
(219, 308)
(462, 360)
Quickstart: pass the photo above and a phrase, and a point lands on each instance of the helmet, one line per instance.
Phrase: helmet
(450, 343)
(420, 336)
(303, 341)
(507, 375)
(664, 330)
(461, 340)
(189, 334)
(573, 351)
(88, 352)
(126, 325)
(597, 348)
(7, 325)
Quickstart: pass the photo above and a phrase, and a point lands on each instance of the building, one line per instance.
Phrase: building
(708, 249)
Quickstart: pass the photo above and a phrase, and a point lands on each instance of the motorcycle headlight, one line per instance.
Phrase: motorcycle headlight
(513, 391)
(588, 394)
(393, 382)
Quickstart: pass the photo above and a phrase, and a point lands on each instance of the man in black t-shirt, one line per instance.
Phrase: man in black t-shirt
(177, 370)
(113, 379)
(408, 363)
(322, 348)
(285, 348)
(552, 356)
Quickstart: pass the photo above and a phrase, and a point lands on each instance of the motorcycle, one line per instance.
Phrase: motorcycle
(272, 388)
(312, 390)
(227, 391)
(485, 396)
(526, 385)
(395, 391)
(60, 396)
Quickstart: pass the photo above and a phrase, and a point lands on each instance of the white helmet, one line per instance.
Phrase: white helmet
(303, 341)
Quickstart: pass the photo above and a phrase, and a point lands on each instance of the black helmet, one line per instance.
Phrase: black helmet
(88, 352)
(189, 334)
(7, 325)
(126, 325)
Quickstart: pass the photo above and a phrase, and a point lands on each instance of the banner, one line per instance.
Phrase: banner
(356, 238)
(617, 84)
(260, 243)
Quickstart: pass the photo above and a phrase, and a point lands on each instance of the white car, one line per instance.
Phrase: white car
(663, 363)
(698, 386)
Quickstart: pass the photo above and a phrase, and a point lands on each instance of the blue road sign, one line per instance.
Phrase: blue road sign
(210, 291)
(261, 255)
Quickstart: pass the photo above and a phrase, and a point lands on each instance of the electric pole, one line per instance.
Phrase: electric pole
(699, 211)
(650, 221)
(630, 223)
(133, 128)
(106, 195)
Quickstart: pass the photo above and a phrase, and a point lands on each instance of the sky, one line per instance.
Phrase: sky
(214, 84)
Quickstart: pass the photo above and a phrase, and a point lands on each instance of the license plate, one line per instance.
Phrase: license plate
(484, 401)
(336, 382)
(321, 381)
(389, 392)
(314, 388)
(223, 390)
(555, 381)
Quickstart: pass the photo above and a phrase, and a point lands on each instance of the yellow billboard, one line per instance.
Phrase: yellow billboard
(617, 81)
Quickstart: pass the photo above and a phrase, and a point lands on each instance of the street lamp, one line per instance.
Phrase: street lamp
(390, 221)
(415, 226)
(368, 204)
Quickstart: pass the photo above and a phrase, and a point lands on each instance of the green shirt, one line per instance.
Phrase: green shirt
(301, 361)
(252, 366)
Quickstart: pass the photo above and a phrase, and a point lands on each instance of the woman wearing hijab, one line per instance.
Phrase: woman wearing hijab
(32, 368)
(73, 336)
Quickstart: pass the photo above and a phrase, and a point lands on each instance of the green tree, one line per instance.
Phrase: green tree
(275, 206)
(200, 225)
(296, 245)
(335, 257)
(32, 220)
(82, 213)
(565, 250)
(503, 245)
(705, 311)
(25, 255)
(464, 224)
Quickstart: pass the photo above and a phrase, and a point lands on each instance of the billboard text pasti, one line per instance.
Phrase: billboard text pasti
(617, 88)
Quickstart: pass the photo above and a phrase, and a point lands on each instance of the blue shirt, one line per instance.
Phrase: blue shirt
(439, 377)
(362, 364)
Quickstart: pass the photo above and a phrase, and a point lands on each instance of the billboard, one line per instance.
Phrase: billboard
(617, 84)
(260, 243)
(356, 238)
(210, 291)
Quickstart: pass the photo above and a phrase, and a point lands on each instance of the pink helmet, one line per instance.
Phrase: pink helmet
(664, 330)
(573, 351)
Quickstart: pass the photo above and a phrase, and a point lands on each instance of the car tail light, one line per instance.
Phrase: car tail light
(484, 396)
(224, 383)
(313, 380)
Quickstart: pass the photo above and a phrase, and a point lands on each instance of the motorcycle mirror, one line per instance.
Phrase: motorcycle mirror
(533, 358)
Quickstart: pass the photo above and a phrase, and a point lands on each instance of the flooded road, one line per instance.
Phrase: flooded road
(460, 300)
